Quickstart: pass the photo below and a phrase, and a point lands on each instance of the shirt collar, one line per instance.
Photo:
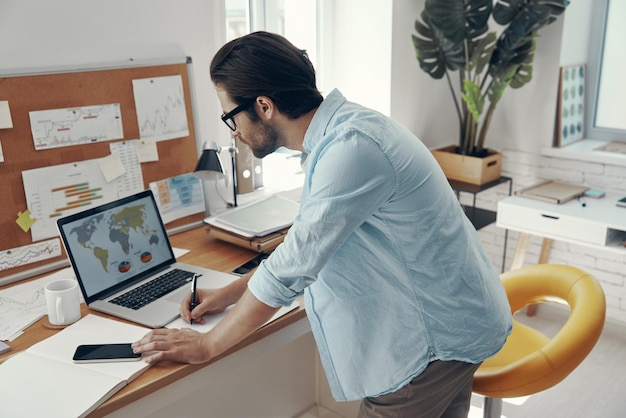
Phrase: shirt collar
(317, 128)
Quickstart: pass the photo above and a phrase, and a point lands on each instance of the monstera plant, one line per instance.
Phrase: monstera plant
(453, 36)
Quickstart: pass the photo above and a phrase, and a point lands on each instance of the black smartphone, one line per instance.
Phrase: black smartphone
(250, 265)
(98, 353)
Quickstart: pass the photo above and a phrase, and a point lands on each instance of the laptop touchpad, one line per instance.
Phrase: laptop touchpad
(177, 296)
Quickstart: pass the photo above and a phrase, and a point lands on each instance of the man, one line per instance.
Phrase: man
(402, 300)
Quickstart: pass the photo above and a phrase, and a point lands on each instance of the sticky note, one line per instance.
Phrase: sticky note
(147, 151)
(24, 220)
(112, 166)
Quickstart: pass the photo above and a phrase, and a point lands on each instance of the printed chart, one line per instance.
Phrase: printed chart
(75, 126)
(178, 197)
(52, 192)
(23, 304)
(161, 111)
(19, 256)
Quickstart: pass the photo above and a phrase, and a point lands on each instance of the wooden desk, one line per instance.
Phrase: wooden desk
(175, 381)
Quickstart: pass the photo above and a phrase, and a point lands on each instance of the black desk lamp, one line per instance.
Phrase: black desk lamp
(210, 166)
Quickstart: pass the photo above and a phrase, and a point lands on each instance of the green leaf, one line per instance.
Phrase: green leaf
(524, 72)
(500, 83)
(481, 50)
(473, 99)
(505, 11)
(434, 52)
(459, 20)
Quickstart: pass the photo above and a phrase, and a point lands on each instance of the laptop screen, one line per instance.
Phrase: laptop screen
(116, 244)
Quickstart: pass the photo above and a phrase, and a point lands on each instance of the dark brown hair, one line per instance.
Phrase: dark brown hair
(267, 64)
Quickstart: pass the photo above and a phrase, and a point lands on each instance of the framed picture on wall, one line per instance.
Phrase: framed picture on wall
(571, 104)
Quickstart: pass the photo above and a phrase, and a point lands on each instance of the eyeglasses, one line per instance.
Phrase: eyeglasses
(227, 118)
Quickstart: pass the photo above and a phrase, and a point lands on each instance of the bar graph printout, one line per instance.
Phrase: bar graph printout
(75, 126)
(56, 191)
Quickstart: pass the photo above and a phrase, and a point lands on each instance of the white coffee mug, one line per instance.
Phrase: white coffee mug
(63, 302)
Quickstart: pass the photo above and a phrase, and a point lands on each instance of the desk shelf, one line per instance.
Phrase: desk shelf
(478, 216)
(616, 239)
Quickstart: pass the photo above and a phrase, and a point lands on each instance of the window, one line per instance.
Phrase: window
(296, 20)
(607, 83)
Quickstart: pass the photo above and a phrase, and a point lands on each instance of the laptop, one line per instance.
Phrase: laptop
(124, 262)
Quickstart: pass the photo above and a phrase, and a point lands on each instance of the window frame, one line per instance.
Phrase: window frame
(594, 69)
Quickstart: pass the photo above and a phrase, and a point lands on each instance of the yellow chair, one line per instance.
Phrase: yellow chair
(530, 362)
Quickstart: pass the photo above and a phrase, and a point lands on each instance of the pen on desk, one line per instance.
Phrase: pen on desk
(192, 304)
(582, 202)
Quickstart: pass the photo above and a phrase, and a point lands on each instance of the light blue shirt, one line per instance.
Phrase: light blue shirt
(392, 271)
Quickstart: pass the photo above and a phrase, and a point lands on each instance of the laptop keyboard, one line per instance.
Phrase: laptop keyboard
(154, 289)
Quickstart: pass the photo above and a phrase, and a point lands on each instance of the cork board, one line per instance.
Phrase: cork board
(66, 89)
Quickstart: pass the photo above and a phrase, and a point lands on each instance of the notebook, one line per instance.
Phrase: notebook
(121, 256)
(552, 191)
(259, 218)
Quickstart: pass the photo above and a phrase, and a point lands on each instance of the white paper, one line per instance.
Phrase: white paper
(31, 253)
(61, 190)
(147, 151)
(210, 321)
(161, 111)
(132, 180)
(44, 381)
(178, 196)
(23, 304)
(112, 167)
(93, 329)
(75, 126)
(5, 115)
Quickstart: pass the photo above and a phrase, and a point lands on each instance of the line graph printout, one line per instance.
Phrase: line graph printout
(75, 126)
(27, 254)
(160, 104)
(23, 304)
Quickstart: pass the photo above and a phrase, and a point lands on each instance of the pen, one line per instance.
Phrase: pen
(192, 304)
(582, 202)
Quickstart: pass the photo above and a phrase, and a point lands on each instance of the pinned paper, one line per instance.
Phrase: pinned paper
(5, 115)
(147, 151)
(24, 220)
(1, 154)
(112, 166)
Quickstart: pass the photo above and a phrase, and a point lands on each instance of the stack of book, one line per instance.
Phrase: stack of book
(260, 225)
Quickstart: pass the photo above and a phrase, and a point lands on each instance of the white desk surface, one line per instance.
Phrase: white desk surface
(600, 224)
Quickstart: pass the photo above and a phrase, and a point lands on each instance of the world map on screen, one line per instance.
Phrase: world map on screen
(117, 237)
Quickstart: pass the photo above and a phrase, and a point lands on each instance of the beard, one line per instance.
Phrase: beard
(268, 140)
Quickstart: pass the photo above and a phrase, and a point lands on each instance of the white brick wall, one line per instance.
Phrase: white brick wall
(527, 169)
